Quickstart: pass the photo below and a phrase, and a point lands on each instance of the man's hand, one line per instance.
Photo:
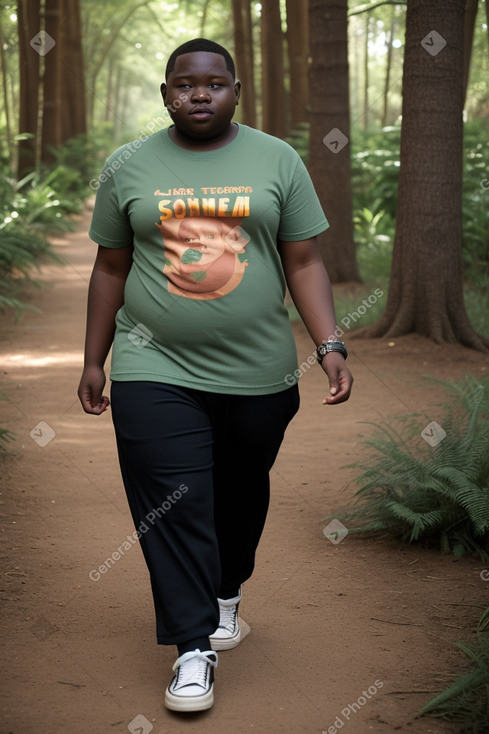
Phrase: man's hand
(340, 378)
(90, 391)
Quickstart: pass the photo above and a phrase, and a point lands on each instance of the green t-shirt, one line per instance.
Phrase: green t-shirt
(204, 300)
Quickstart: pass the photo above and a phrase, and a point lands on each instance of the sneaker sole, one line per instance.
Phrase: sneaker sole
(225, 644)
(189, 703)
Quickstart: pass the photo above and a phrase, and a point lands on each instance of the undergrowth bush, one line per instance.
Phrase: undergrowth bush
(466, 700)
(37, 206)
(29, 212)
(417, 491)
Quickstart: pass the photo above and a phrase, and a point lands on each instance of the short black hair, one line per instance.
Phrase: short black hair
(201, 44)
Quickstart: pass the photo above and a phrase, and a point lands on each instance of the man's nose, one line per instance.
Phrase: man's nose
(201, 94)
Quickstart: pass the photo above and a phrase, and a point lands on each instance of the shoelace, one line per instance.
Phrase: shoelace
(228, 617)
(192, 668)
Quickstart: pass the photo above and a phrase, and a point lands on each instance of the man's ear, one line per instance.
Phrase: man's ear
(237, 90)
(163, 89)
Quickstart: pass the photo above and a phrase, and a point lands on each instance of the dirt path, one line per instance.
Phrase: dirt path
(352, 637)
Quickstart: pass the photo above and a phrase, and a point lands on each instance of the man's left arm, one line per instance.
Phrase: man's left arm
(310, 288)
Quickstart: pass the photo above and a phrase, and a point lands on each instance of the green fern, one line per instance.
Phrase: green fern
(467, 699)
(420, 493)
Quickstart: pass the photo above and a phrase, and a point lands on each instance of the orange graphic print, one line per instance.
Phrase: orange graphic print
(204, 256)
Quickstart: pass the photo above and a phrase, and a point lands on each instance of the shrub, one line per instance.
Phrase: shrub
(467, 699)
(437, 494)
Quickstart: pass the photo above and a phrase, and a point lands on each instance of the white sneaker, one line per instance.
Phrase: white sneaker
(228, 634)
(191, 689)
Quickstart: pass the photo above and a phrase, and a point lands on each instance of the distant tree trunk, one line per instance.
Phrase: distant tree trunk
(425, 290)
(101, 47)
(204, 17)
(298, 55)
(469, 27)
(6, 101)
(29, 25)
(64, 109)
(243, 54)
(52, 102)
(74, 120)
(366, 76)
(272, 70)
(330, 166)
(388, 67)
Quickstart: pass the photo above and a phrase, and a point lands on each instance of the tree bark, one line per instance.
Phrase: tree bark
(426, 291)
(366, 76)
(330, 165)
(243, 53)
(388, 66)
(64, 107)
(298, 55)
(74, 117)
(6, 101)
(471, 8)
(52, 101)
(272, 70)
(29, 25)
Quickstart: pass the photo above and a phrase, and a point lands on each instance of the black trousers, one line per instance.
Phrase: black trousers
(195, 467)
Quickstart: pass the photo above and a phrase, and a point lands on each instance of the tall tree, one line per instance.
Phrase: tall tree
(64, 109)
(388, 66)
(471, 8)
(298, 56)
(243, 53)
(28, 16)
(330, 165)
(50, 59)
(425, 290)
(272, 70)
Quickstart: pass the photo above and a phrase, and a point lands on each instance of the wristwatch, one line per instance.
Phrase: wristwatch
(332, 345)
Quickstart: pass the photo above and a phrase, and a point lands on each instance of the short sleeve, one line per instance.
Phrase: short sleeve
(302, 214)
(110, 225)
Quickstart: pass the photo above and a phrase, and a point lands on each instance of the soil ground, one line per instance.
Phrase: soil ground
(354, 637)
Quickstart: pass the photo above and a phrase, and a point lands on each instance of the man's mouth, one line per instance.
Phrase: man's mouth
(201, 113)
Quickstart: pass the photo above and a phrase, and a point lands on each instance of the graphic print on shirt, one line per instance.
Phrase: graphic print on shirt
(204, 240)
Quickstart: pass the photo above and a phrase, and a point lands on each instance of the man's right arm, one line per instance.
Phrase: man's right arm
(105, 298)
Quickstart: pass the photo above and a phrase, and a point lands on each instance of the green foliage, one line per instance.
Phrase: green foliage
(467, 699)
(5, 435)
(375, 170)
(77, 162)
(476, 203)
(299, 140)
(30, 211)
(437, 494)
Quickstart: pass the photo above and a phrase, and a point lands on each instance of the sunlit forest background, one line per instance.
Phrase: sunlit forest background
(80, 78)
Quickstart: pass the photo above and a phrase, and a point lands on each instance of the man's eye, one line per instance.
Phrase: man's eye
(210, 237)
(215, 84)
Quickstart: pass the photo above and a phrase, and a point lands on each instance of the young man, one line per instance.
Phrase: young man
(200, 229)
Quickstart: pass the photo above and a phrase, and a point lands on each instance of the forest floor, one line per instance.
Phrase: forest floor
(354, 637)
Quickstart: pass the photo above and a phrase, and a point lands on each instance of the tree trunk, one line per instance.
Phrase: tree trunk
(469, 27)
(330, 166)
(425, 291)
(6, 101)
(388, 66)
(64, 108)
(298, 55)
(74, 118)
(243, 53)
(366, 75)
(272, 70)
(29, 25)
(52, 102)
